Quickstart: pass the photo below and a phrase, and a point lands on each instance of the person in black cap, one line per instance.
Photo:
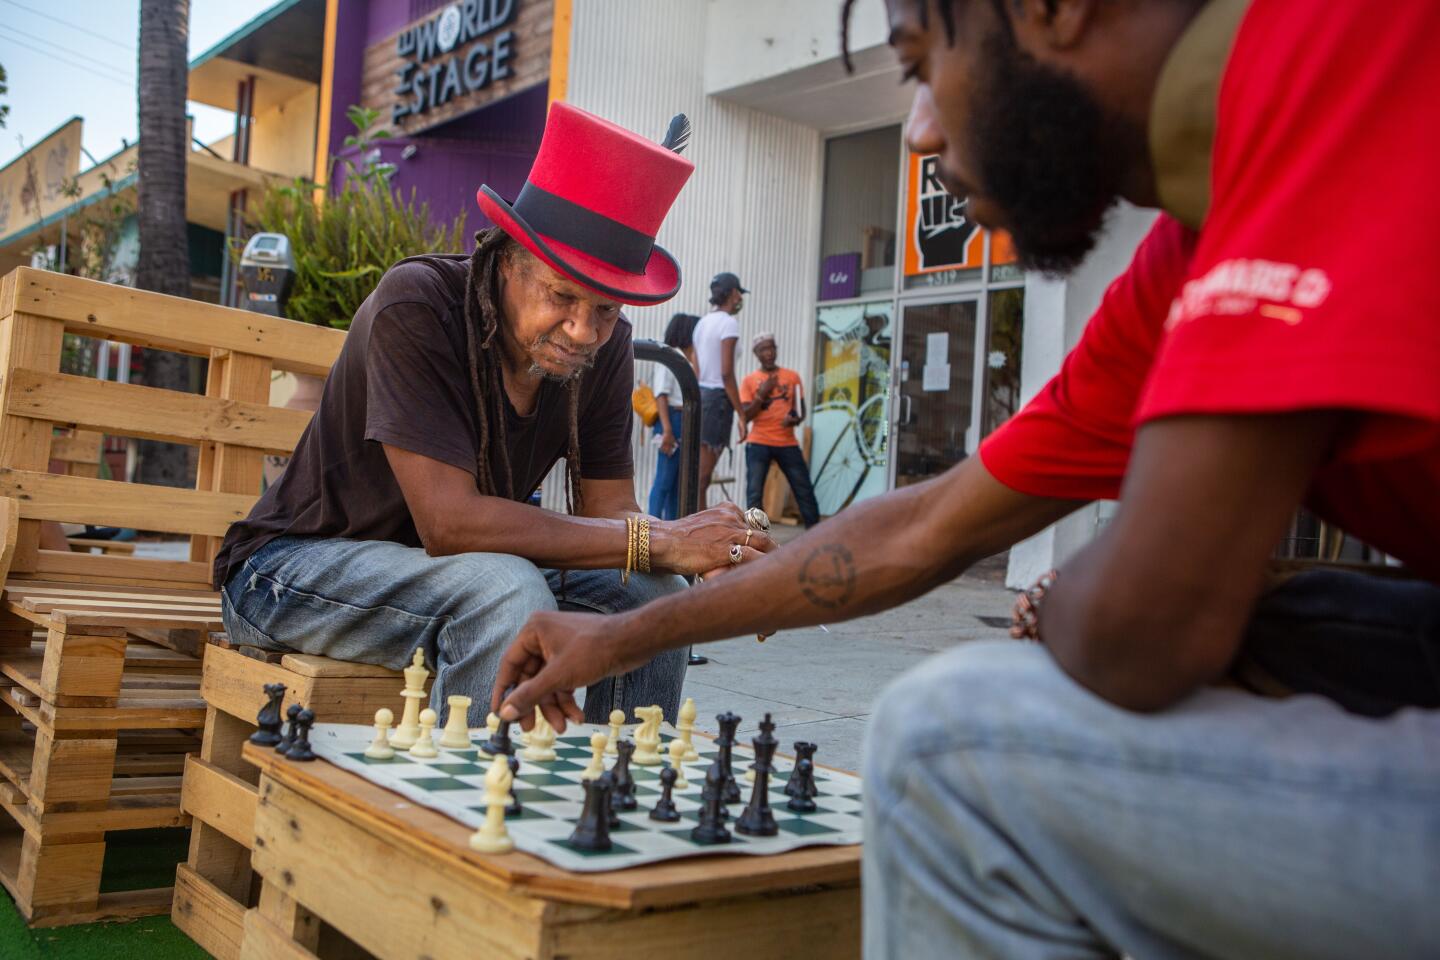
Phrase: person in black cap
(715, 337)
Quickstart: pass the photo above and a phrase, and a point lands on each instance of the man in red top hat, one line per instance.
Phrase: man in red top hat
(1273, 342)
(402, 518)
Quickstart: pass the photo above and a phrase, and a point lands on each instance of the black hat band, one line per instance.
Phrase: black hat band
(594, 234)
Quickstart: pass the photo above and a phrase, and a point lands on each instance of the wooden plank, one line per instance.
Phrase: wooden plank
(46, 496)
(311, 666)
(33, 343)
(233, 683)
(119, 618)
(75, 773)
(340, 871)
(130, 572)
(244, 378)
(49, 604)
(82, 664)
(438, 838)
(9, 533)
(150, 413)
(110, 312)
(120, 905)
(18, 589)
(207, 915)
(126, 714)
(59, 874)
(80, 447)
(219, 799)
(263, 940)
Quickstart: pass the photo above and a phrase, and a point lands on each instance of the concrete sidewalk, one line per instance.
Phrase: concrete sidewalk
(820, 686)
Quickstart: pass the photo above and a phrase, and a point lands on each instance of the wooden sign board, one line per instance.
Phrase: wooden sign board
(458, 59)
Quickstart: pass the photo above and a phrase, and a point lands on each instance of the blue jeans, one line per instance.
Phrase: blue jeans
(665, 491)
(1011, 813)
(796, 470)
(373, 601)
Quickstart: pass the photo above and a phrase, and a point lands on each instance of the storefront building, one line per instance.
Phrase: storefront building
(915, 332)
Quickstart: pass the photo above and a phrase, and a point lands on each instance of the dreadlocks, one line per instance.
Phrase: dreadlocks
(493, 248)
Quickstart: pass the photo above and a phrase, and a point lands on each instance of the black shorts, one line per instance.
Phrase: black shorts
(716, 417)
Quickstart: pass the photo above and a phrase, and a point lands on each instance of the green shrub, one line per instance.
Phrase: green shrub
(343, 242)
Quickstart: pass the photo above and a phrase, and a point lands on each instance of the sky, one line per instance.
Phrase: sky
(70, 58)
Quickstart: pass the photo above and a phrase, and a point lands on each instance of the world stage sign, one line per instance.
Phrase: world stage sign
(461, 50)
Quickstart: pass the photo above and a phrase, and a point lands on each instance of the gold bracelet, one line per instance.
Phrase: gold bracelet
(643, 559)
(629, 551)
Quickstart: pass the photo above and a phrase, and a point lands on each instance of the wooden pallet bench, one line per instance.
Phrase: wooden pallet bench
(100, 655)
(216, 886)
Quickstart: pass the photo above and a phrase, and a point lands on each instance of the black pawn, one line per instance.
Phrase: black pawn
(500, 742)
(730, 791)
(300, 750)
(515, 809)
(712, 808)
(268, 719)
(624, 798)
(803, 799)
(803, 751)
(757, 819)
(593, 830)
(293, 714)
(665, 809)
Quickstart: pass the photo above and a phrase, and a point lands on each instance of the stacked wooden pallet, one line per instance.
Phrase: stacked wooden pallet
(216, 886)
(100, 654)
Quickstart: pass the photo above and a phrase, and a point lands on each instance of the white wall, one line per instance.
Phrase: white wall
(639, 62)
(752, 41)
(1056, 312)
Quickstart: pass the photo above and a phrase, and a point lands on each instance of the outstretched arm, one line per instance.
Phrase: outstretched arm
(873, 556)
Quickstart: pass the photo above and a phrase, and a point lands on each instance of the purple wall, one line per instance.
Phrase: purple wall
(494, 145)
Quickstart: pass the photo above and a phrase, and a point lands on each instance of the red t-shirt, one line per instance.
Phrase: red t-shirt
(1310, 286)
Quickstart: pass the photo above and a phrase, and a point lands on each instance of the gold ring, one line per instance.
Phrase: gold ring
(737, 553)
(747, 537)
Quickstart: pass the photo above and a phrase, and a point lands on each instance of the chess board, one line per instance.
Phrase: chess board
(551, 796)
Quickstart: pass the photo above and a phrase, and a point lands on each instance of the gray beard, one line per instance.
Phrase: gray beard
(538, 371)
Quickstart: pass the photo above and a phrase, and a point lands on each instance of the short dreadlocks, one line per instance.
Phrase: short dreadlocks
(493, 248)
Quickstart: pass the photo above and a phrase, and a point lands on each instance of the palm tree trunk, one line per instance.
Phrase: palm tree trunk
(164, 250)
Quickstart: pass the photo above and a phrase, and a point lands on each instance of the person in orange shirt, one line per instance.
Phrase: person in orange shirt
(772, 404)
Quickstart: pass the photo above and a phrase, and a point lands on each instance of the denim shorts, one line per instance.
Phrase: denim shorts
(716, 417)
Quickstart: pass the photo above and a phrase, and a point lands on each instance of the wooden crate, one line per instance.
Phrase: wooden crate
(215, 886)
(90, 685)
(350, 868)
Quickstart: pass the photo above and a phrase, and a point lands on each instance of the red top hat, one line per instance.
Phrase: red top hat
(592, 205)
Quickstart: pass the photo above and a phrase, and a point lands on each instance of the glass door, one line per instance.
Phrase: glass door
(935, 373)
(850, 412)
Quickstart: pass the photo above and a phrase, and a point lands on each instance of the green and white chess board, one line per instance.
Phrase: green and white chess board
(551, 796)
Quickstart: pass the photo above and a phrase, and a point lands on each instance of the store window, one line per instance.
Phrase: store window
(1006, 320)
(850, 422)
(861, 204)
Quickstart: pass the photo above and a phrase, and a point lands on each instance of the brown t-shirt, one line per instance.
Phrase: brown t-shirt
(402, 378)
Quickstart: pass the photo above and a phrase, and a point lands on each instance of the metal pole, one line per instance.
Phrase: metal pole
(674, 360)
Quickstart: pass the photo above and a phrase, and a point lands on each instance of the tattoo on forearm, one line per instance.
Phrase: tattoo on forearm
(828, 576)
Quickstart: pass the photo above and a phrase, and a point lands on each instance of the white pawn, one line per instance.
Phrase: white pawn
(597, 756)
(456, 735)
(677, 758)
(492, 727)
(686, 726)
(380, 748)
(617, 722)
(424, 746)
(541, 743)
(492, 837)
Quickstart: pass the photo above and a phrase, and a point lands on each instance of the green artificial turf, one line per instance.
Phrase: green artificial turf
(134, 860)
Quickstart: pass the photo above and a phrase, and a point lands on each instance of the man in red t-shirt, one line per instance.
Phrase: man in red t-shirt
(772, 403)
(1273, 343)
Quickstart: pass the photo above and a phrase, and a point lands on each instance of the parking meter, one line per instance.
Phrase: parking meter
(267, 272)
